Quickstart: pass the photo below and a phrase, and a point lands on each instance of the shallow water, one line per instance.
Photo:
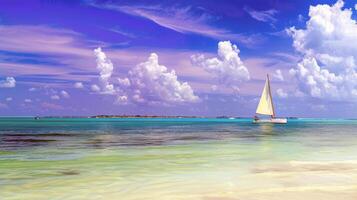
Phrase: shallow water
(209, 159)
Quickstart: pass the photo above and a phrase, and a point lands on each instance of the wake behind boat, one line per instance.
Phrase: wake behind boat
(266, 107)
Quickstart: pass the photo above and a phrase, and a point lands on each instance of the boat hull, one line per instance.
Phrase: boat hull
(272, 120)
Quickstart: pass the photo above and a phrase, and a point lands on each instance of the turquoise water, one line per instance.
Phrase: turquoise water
(177, 159)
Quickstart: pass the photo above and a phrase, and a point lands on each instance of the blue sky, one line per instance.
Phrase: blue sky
(177, 58)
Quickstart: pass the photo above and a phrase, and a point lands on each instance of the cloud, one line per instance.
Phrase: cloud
(78, 85)
(182, 20)
(327, 44)
(281, 93)
(8, 99)
(123, 32)
(95, 88)
(125, 82)
(28, 101)
(227, 68)
(151, 82)
(214, 87)
(55, 53)
(278, 75)
(55, 97)
(65, 94)
(55, 94)
(147, 83)
(356, 6)
(9, 82)
(122, 100)
(40, 39)
(105, 68)
(32, 89)
(263, 16)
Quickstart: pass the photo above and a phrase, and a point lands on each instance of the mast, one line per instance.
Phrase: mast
(271, 97)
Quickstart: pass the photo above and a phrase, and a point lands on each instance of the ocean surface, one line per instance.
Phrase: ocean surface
(177, 159)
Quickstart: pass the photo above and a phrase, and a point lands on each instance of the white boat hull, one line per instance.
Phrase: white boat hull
(272, 120)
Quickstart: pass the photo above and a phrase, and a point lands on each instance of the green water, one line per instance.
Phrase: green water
(177, 159)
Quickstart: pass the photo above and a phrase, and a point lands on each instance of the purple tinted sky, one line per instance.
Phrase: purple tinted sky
(47, 47)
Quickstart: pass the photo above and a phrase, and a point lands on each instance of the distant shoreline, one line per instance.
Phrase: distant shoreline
(160, 116)
(141, 116)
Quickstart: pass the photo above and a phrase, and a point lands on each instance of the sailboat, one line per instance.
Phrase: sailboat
(266, 107)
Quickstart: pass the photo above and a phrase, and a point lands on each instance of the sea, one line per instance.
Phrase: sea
(177, 159)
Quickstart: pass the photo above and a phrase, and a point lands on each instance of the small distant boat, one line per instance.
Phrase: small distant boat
(266, 107)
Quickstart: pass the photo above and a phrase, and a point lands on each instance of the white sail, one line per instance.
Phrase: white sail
(265, 106)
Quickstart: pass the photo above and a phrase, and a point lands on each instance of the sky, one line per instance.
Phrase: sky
(204, 58)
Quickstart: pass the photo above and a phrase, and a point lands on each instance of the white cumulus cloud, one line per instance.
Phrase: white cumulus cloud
(153, 83)
(65, 94)
(329, 50)
(124, 82)
(9, 82)
(78, 85)
(105, 68)
(281, 93)
(227, 67)
(55, 97)
(214, 87)
(8, 99)
(147, 83)
(122, 100)
(27, 100)
(95, 88)
(278, 75)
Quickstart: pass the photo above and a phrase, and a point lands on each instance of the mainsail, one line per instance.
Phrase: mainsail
(265, 106)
